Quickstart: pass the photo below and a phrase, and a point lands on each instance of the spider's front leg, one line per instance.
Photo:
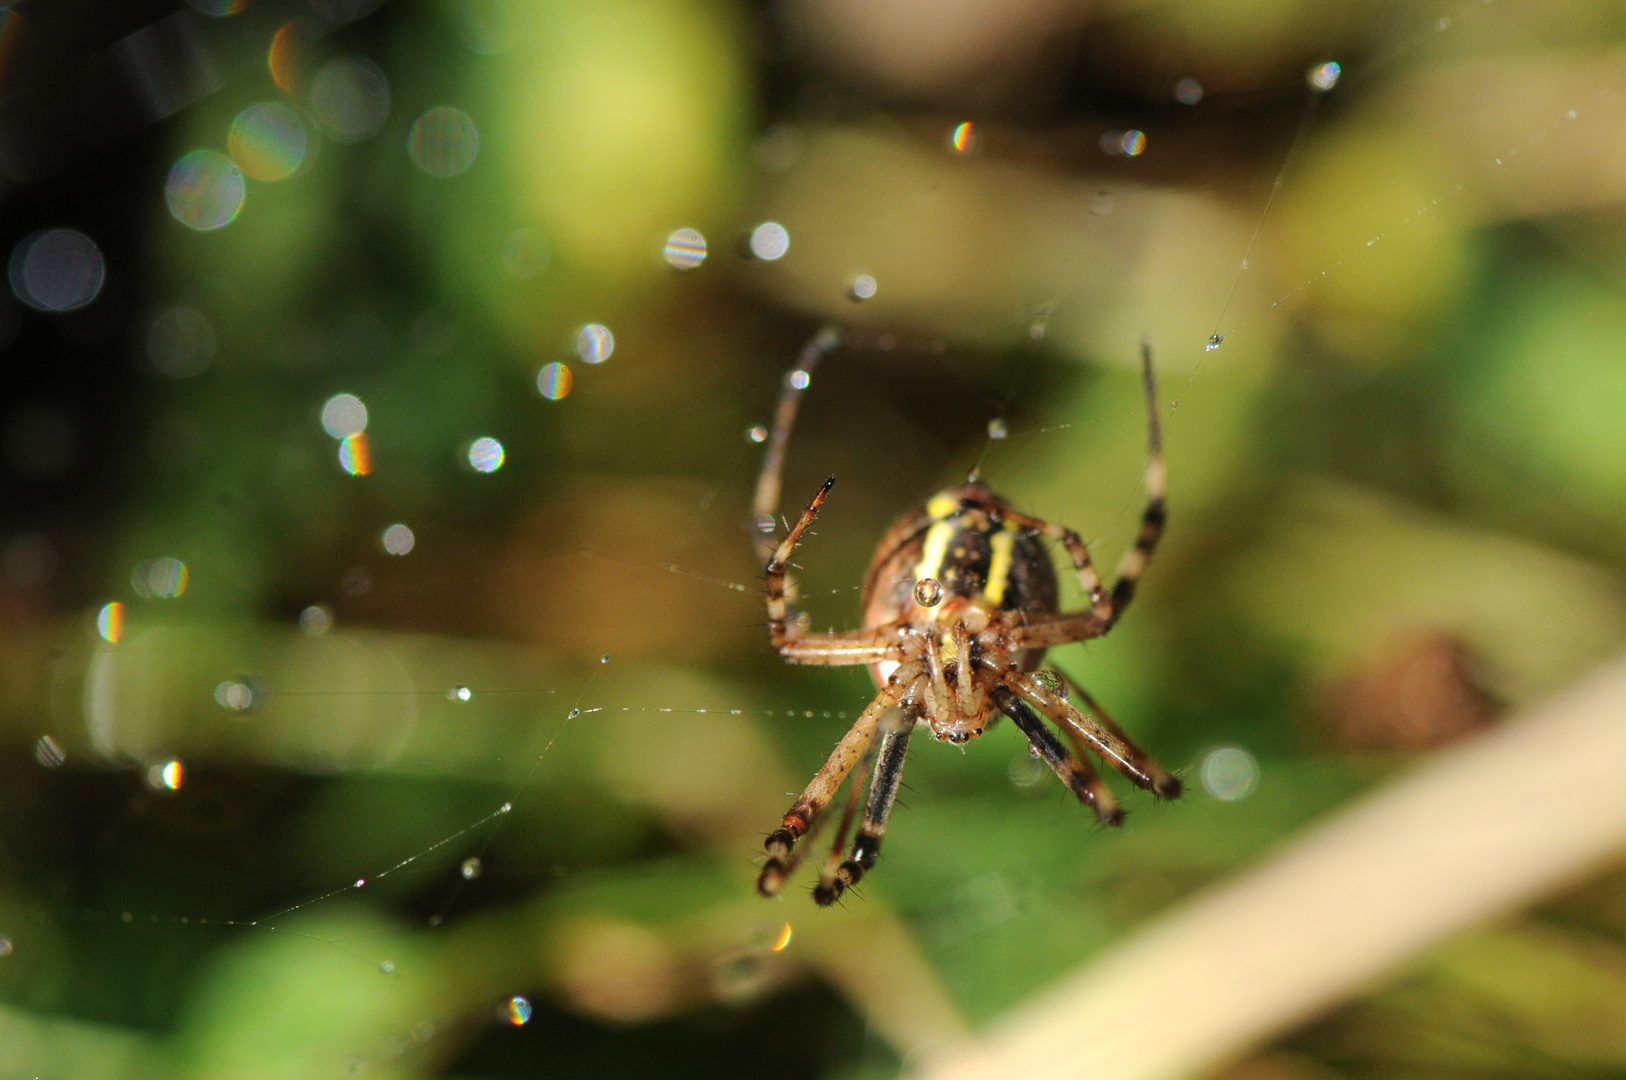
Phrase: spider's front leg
(827, 781)
(883, 793)
(1074, 770)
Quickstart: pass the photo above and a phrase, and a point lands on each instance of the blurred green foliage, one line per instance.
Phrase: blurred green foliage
(1409, 434)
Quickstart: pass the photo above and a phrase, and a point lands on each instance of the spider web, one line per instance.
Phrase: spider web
(518, 729)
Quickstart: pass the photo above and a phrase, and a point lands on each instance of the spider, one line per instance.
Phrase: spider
(959, 607)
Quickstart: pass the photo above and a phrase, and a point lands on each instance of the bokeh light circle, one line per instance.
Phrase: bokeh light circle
(516, 1010)
(205, 190)
(1230, 773)
(110, 622)
(1188, 91)
(594, 343)
(486, 455)
(57, 270)
(351, 99)
(356, 455)
(553, 381)
(399, 540)
(443, 141)
(268, 141)
(862, 287)
(180, 342)
(770, 241)
(344, 415)
(685, 249)
(1323, 77)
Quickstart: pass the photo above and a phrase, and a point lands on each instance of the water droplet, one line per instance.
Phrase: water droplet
(572, 714)
(862, 287)
(605, 659)
(685, 249)
(166, 775)
(57, 270)
(505, 807)
(387, 967)
(344, 415)
(1188, 91)
(443, 141)
(965, 137)
(356, 455)
(180, 342)
(350, 97)
(997, 429)
(516, 1010)
(1134, 144)
(757, 433)
(48, 752)
(764, 523)
(486, 455)
(459, 693)
(110, 621)
(928, 592)
(233, 695)
(1025, 770)
(5, 945)
(316, 620)
(1214, 342)
(360, 882)
(799, 379)
(399, 540)
(1230, 773)
(268, 141)
(594, 343)
(1323, 77)
(781, 939)
(205, 190)
(471, 868)
(553, 381)
(770, 241)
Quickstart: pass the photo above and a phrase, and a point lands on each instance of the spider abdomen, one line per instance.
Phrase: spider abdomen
(964, 539)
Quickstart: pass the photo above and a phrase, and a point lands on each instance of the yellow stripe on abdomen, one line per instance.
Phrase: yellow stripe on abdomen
(936, 547)
(1003, 546)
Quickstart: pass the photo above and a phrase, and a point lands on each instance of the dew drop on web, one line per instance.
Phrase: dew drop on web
(928, 592)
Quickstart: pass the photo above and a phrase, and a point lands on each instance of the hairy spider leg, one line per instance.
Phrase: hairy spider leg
(1044, 632)
(1074, 770)
(1109, 744)
(766, 501)
(827, 781)
(792, 642)
(855, 791)
(883, 793)
(1098, 712)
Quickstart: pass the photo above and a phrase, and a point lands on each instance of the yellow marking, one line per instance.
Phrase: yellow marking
(931, 555)
(1003, 544)
(942, 507)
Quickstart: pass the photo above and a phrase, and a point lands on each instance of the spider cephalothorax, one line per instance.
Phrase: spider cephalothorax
(959, 608)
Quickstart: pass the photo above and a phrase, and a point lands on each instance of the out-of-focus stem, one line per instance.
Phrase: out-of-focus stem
(1478, 830)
